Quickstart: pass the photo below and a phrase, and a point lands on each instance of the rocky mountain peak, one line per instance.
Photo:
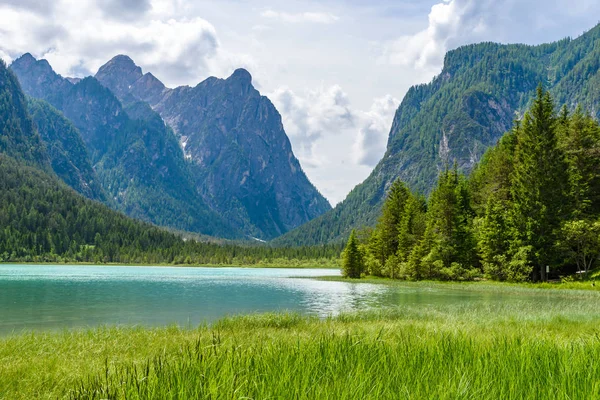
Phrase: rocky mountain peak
(241, 75)
(25, 59)
(124, 64)
(125, 79)
(119, 74)
(240, 83)
(239, 154)
(35, 76)
(28, 62)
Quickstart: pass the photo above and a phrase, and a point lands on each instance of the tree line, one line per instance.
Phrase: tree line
(42, 220)
(531, 206)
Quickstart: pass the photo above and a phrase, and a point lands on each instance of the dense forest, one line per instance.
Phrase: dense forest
(532, 204)
(42, 220)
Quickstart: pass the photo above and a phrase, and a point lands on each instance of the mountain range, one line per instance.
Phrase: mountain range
(215, 159)
(226, 169)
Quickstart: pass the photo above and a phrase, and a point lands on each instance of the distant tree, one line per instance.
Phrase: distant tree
(352, 258)
(579, 137)
(412, 226)
(581, 239)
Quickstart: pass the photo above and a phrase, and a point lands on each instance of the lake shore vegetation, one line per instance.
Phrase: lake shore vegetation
(530, 210)
(474, 350)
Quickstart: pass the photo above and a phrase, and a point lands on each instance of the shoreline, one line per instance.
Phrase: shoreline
(590, 286)
(248, 266)
(270, 351)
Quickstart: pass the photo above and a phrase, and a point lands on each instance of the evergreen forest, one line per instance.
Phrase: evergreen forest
(530, 210)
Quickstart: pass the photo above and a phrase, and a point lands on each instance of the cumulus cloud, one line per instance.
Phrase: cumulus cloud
(29, 5)
(81, 38)
(125, 9)
(314, 17)
(449, 22)
(315, 115)
(310, 116)
(452, 23)
(373, 133)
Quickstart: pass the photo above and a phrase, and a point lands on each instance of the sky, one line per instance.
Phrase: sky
(335, 69)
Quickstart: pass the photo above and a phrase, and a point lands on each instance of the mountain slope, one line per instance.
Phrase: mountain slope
(18, 136)
(137, 158)
(67, 152)
(461, 113)
(242, 159)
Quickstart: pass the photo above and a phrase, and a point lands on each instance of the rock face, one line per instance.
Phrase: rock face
(136, 156)
(242, 160)
(457, 116)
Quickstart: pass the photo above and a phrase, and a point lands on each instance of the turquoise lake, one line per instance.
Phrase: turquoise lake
(35, 298)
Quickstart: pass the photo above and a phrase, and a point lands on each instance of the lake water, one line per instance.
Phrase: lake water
(56, 297)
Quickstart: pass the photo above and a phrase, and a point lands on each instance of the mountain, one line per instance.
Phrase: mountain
(66, 150)
(242, 160)
(461, 113)
(18, 136)
(135, 155)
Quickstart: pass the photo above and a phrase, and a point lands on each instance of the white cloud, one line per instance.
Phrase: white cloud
(371, 141)
(332, 139)
(313, 115)
(313, 17)
(82, 38)
(449, 21)
(310, 116)
(453, 23)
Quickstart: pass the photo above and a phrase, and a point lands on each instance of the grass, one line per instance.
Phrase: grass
(590, 284)
(510, 350)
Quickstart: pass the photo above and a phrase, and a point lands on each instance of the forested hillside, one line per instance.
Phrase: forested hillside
(18, 136)
(462, 112)
(532, 203)
(67, 152)
(42, 220)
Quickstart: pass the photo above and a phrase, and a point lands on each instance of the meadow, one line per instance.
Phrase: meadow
(523, 349)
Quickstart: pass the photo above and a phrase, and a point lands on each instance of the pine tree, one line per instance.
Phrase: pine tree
(494, 239)
(580, 140)
(412, 226)
(352, 259)
(393, 211)
(539, 183)
(447, 249)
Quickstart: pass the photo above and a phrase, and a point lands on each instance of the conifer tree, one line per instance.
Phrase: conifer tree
(447, 249)
(539, 182)
(580, 140)
(412, 226)
(494, 239)
(352, 259)
(391, 218)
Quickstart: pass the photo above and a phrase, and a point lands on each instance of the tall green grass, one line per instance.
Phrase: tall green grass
(403, 364)
(546, 349)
